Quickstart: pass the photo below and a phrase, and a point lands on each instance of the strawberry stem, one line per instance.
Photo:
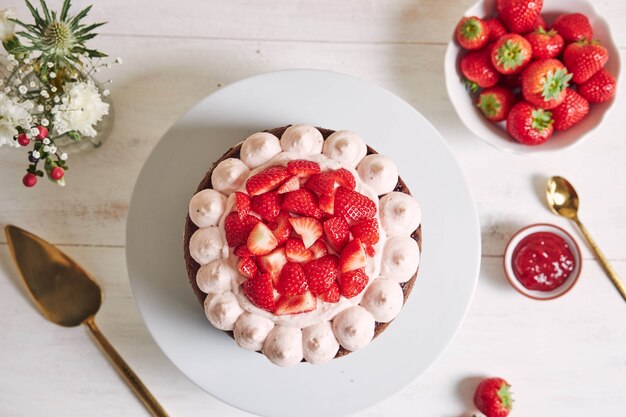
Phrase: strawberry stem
(542, 119)
(489, 104)
(511, 55)
(555, 83)
(471, 29)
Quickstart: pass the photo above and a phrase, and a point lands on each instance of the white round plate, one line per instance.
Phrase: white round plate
(209, 357)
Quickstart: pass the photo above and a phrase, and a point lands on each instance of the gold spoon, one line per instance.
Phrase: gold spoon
(563, 200)
(68, 296)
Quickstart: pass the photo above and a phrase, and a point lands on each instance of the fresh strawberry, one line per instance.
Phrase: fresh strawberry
(321, 273)
(267, 180)
(322, 183)
(353, 206)
(472, 33)
(369, 250)
(495, 103)
(260, 291)
(520, 16)
(569, 113)
(529, 125)
(337, 232)
(327, 203)
(599, 88)
(332, 294)
(267, 205)
(367, 231)
(296, 252)
(496, 28)
(281, 227)
(351, 283)
(308, 228)
(345, 178)
(492, 397)
(545, 44)
(295, 304)
(291, 184)
(511, 53)
(273, 263)
(544, 83)
(302, 202)
(247, 267)
(292, 280)
(237, 230)
(477, 69)
(302, 168)
(319, 249)
(540, 23)
(242, 203)
(261, 240)
(352, 257)
(583, 59)
(243, 251)
(573, 27)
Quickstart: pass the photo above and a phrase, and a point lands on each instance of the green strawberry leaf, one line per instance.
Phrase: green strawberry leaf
(505, 397)
(555, 83)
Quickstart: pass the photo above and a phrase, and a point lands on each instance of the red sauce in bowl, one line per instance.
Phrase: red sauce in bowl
(542, 261)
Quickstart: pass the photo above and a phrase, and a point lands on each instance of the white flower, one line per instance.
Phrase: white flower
(36, 154)
(53, 149)
(32, 84)
(34, 132)
(106, 93)
(44, 94)
(46, 148)
(7, 27)
(45, 122)
(53, 89)
(40, 108)
(81, 108)
(53, 74)
(63, 156)
(45, 141)
(13, 113)
(23, 89)
(50, 64)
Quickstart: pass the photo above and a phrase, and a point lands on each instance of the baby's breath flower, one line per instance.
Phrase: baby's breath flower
(32, 84)
(53, 149)
(45, 122)
(33, 132)
(26, 60)
(50, 64)
(46, 148)
(52, 74)
(40, 108)
(106, 93)
(23, 89)
(36, 154)
(46, 141)
(53, 89)
(45, 94)
(63, 156)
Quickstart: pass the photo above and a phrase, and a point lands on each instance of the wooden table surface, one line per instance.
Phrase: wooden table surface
(564, 358)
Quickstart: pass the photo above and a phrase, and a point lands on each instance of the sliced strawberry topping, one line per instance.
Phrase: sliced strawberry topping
(242, 203)
(267, 205)
(322, 183)
(352, 283)
(261, 240)
(302, 202)
(327, 203)
(260, 291)
(369, 250)
(247, 267)
(291, 280)
(281, 227)
(331, 295)
(321, 273)
(266, 180)
(308, 228)
(243, 251)
(303, 168)
(345, 178)
(352, 256)
(337, 233)
(319, 249)
(296, 251)
(353, 205)
(292, 184)
(366, 230)
(295, 304)
(237, 230)
(273, 263)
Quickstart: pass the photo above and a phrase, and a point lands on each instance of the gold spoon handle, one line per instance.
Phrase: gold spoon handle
(129, 376)
(603, 261)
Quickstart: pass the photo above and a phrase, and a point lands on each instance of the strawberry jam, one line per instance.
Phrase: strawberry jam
(542, 261)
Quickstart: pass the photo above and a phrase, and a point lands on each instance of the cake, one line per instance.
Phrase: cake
(302, 243)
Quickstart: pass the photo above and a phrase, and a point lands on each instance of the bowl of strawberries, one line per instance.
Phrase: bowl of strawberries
(532, 75)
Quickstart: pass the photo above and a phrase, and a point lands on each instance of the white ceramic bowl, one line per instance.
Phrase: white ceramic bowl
(495, 134)
(534, 294)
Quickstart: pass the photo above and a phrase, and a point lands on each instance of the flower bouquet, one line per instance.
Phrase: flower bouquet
(48, 94)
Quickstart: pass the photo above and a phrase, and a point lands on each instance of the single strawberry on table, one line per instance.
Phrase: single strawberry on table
(478, 70)
(493, 397)
(472, 33)
(496, 28)
(544, 83)
(519, 16)
(545, 44)
(510, 54)
(584, 58)
(569, 113)
(573, 27)
(528, 124)
(599, 88)
(495, 103)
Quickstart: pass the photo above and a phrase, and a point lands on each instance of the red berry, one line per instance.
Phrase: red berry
(511, 53)
(292, 184)
(322, 183)
(242, 203)
(308, 228)
(351, 283)
(303, 168)
(266, 180)
(352, 257)
(261, 240)
(22, 139)
(302, 202)
(29, 180)
(496, 29)
(573, 27)
(321, 273)
(266, 205)
(544, 83)
(281, 227)
(273, 263)
(345, 178)
(545, 44)
(319, 249)
(583, 59)
(260, 291)
(57, 173)
(478, 70)
(366, 230)
(337, 232)
(529, 125)
(292, 280)
(472, 33)
(520, 16)
(332, 294)
(295, 304)
(43, 132)
(247, 267)
(492, 397)
(237, 230)
(599, 88)
(569, 113)
(296, 251)
(495, 103)
(353, 206)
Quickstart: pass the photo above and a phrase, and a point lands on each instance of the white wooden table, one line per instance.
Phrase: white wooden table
(564, 358)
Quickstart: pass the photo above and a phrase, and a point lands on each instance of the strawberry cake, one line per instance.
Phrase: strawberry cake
(302, 243)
